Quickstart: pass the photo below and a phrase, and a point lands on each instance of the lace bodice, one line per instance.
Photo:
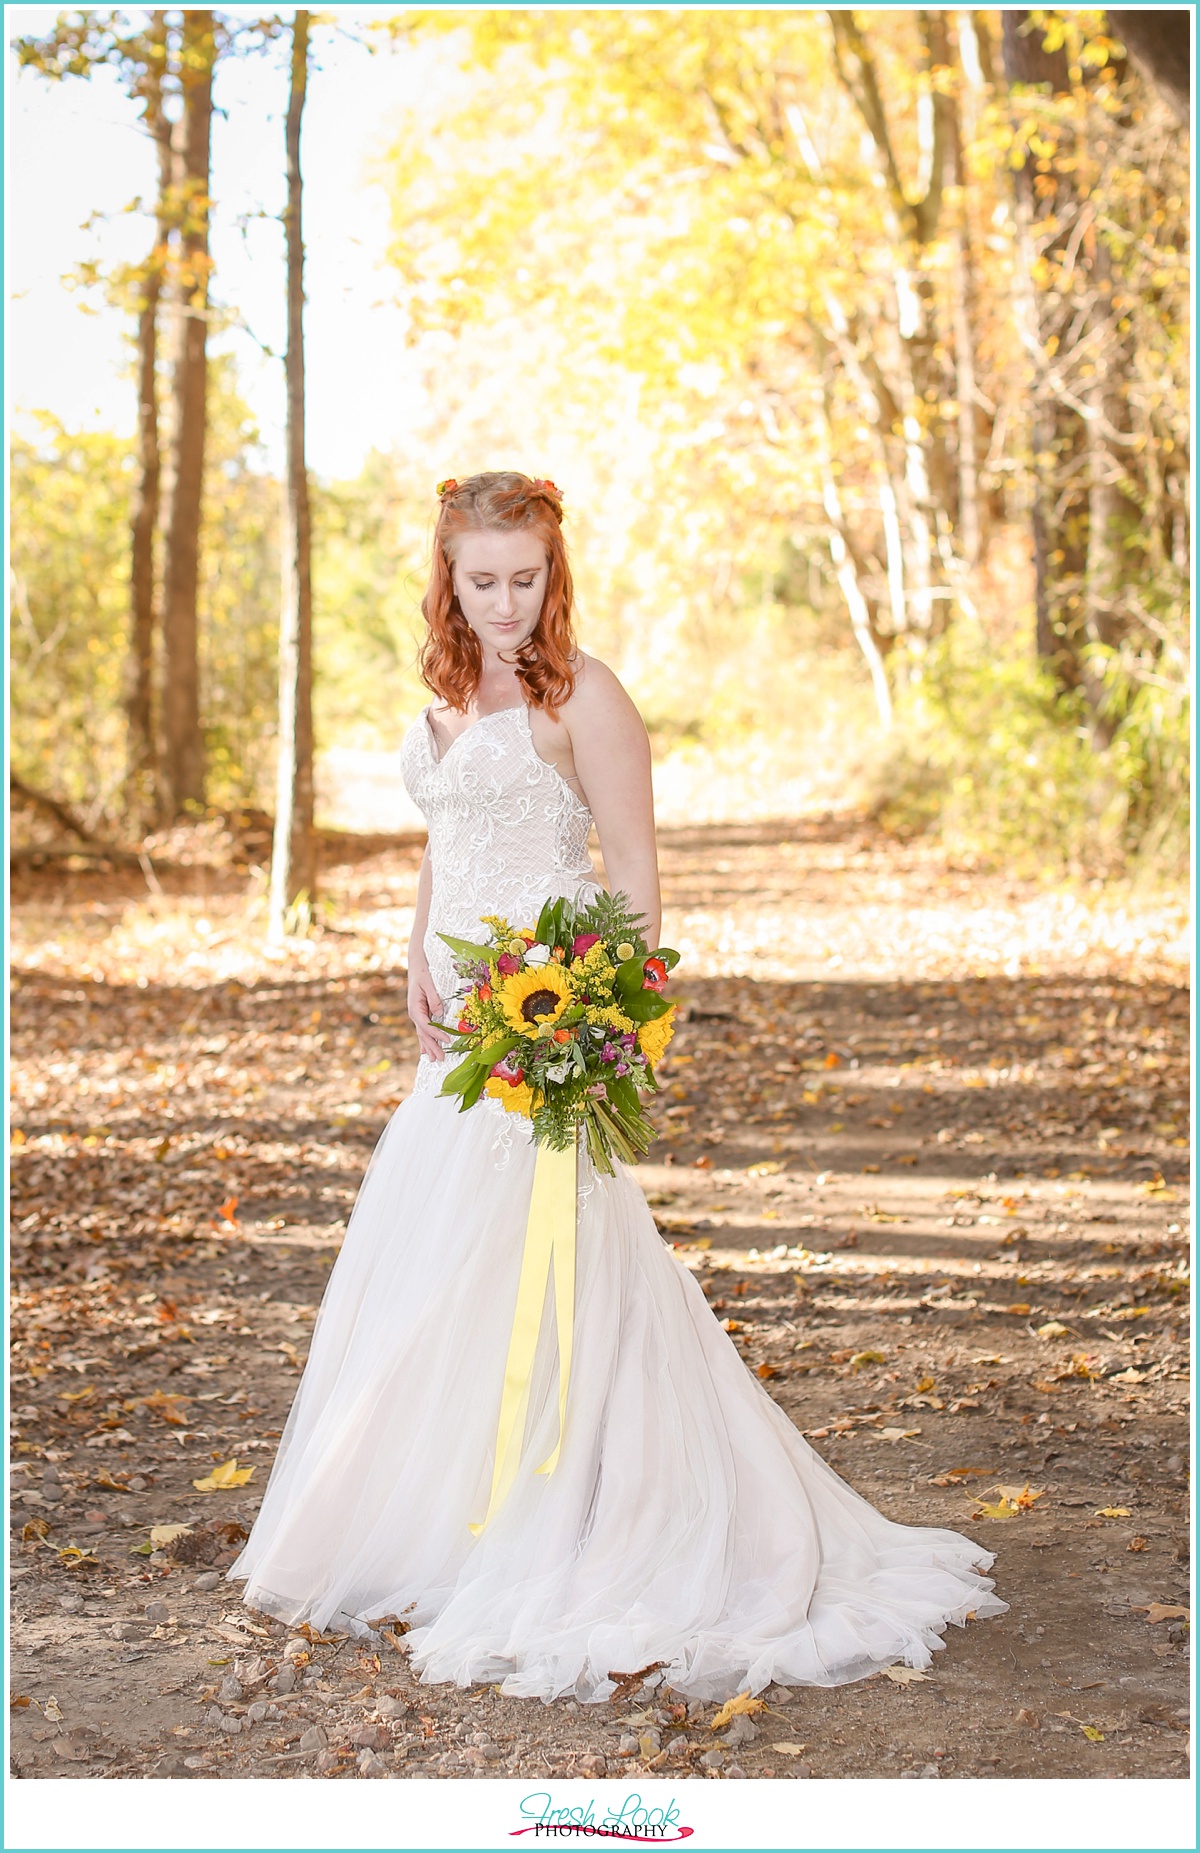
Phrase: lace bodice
(506, 832)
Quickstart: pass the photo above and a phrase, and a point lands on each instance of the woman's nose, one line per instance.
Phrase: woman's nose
(504, 602)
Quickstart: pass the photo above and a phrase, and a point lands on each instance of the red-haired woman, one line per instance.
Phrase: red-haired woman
(686, 1525)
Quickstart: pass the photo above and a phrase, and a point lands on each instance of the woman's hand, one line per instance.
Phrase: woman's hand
(424, 1003)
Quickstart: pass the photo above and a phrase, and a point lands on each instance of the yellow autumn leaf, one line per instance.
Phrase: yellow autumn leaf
(227, 1475)
(167, 1534)
(766, 1167)
(895, 1434)
(862, 1358)
(1053, 1328)
(51, 1711)
(1001, 1508)
(790, 1749)
(743, 1703)
(904, 1675)
(1092, 1734)
(1022, 1496)
(1114, 1512)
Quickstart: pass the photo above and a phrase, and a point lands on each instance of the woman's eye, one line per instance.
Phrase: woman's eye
(524, 584)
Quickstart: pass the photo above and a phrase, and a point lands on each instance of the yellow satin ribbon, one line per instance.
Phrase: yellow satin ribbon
(549, 1240)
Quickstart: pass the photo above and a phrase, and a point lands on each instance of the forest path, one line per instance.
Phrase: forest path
(924, 1143)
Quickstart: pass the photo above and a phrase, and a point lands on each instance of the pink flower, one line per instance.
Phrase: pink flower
(506, 1071)
(583, 944)
(507, 964)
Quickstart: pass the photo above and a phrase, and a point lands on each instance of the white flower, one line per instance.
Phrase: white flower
(538, 955)
(559, 1072)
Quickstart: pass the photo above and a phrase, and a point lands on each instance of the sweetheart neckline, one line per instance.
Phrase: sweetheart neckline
(516, 707)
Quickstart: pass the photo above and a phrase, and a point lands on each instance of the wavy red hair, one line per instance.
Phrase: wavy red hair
(450, 660)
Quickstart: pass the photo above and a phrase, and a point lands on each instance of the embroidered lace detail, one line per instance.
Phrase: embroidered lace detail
(506, 832)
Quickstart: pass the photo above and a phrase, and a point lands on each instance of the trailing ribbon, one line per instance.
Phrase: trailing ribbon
(549, 1241)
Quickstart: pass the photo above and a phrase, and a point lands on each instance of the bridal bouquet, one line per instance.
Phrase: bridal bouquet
(564, 1022)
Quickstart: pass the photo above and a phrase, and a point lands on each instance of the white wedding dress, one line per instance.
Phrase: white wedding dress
(686, 1521)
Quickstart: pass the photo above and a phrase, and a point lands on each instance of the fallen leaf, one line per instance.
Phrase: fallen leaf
(1092, 1734)
(1160, 1611)
(862, 1358)
(896, 1434)
(997, 1509)
(1113, 1512)
(870, 1168)
(790, 1749)
(743, 1703)
(161, 1403)
(956, 1475)
(226, 1213)
(1129, 1376)
(1138, 1544)
(904, 1675)
(1020, 1309)
(766, 1167)
(71, 1557)
(50, 1710)
(1052, 1329)
(227, 1475)
(766, 1370)
(18, 1700)
(167, 1534)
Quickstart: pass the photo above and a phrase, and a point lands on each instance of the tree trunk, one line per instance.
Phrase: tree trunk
(1158, 40)
(293, 858)
(139, 698)
(182, 759)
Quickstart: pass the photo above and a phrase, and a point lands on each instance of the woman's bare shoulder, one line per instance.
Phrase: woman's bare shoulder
(598, 689)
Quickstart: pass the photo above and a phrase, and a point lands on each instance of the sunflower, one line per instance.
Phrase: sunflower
(654, 1036)
(518, 1099)
(535, 998)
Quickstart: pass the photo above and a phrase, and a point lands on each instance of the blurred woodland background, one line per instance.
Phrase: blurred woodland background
(858, 342)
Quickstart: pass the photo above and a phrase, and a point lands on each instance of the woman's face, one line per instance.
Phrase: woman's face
(499, 580)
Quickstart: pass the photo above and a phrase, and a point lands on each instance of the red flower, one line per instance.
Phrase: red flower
(507, 964)
(583, 944)
(464, 1028)
(502, 1072)
(654, 975)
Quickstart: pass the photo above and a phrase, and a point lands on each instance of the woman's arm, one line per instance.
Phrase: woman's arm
(423, 999)
(612, 758)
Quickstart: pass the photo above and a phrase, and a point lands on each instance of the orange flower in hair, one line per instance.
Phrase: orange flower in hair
(448, 487)
(544, 483)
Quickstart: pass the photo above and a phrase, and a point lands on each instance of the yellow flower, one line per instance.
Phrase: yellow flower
(518, 1099)
(654, 1036)
(534, 998)
(625, 950)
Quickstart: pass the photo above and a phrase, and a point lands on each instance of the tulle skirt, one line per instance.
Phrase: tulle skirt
(686, 1521)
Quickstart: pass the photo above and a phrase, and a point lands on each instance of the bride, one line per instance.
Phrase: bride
(686, 1523)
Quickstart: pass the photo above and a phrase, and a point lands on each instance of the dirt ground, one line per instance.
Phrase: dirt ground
(924, 1144)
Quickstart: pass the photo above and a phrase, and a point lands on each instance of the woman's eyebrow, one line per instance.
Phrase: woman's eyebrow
(481, 572)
